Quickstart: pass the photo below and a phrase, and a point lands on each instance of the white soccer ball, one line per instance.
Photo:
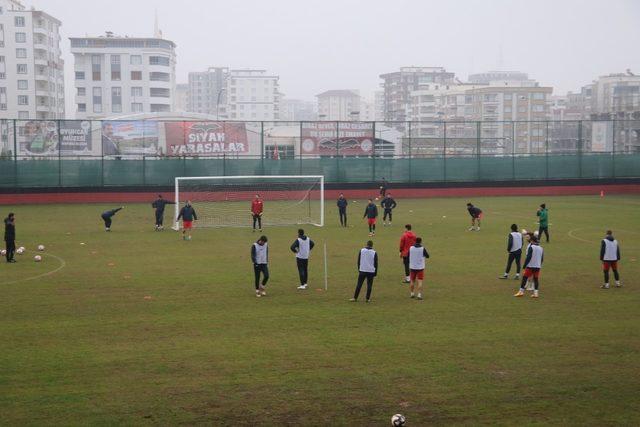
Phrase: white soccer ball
(535, 233)
(41, 248)
(3, 252)
(20, 251)
(524, 231)
(37, 258)
(377, 198)
(398, 420)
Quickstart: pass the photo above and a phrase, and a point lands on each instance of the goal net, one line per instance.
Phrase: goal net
(225, 201)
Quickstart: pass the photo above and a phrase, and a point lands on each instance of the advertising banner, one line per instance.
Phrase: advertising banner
(37, 138)
(351, 139)
(205, 138)
(129, 138)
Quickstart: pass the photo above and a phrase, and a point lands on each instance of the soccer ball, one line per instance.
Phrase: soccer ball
(524, 231)
(41, 248)
(20, 250)
(377, 198)
(37, 258)
(3, 252)
(398, 420)
(535, 233)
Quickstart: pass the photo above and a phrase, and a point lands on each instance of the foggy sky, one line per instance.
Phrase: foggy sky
(345, 44)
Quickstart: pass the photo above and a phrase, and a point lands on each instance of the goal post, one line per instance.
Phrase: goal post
(225, 201)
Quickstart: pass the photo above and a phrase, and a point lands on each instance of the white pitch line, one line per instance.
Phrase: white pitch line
(570, 234)
(63, 264)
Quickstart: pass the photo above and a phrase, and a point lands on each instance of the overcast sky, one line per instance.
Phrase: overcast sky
(346, 44)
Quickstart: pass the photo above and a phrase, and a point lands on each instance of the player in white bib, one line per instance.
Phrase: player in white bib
(302, 248)
(367, 270)
(610, 255)
(532, 267)
(417, 256)
(514, 248)
(260, 259)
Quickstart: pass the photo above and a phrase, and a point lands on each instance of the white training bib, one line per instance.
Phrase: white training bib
(367, 260)
(261, 253)
(304, 248)
(536, 257)
(416, 258)
(517, 241)
(610, 250)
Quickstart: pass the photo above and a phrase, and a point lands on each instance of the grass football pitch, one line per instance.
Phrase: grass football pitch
(139, 327)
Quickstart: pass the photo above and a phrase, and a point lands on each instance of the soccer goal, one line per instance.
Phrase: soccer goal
(225, 201)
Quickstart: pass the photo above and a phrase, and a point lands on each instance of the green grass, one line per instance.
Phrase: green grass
(84, 346)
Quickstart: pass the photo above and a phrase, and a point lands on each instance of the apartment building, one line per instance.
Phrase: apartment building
(116, 76)
(399, 85)
(208, 92)
(182, 97)
(341, 104)
(31, 65)
(294, 110)
(253, 95)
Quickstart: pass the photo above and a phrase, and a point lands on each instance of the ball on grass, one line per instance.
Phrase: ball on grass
(3, 252)
(20, 250)
(41, 248)
(398, 420)
(37, 258)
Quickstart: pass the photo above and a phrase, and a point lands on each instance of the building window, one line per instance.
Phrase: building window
(116, 99)
(23, 115)
(22, 68)
(159, 60)
(19, 21)
(160, 92)
(160, 108)
(136, 75)
(115, 68)
(538, 95)
(82, 108)
(97, 100)
(23, 84)
(96, 67)
(23, 100)
(538, 108)
(506, 96)
(136, 107)
(21, 52)
(82, 91)
(159, 77)
(79, 75)
(21, 37)
(136, 60)
(136, 92)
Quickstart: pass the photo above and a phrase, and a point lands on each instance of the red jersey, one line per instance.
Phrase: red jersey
(407, 240)
(256, 207)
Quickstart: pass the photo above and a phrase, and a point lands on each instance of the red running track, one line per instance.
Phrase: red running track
(142, 197)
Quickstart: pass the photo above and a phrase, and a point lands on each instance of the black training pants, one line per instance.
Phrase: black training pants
(514, 256)
(261, 268)
(544, 230)
(361, 278)
(405, 261)
(343, 216)
(258, 219)
(389, 213)
(107, 221)
(11, 249)
(159, 218)
(303, 270)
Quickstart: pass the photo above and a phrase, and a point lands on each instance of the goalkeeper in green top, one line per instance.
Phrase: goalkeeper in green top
(543, 216)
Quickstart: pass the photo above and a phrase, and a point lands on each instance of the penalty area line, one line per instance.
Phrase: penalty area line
(62, 265)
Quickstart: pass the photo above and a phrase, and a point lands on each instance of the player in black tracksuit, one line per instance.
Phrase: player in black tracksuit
(388, 204)
(342, 204)
(371, 213)
(106, 217)
(10, 236)
(159, 206)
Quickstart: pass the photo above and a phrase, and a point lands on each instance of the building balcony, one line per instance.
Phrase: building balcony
(41, 30)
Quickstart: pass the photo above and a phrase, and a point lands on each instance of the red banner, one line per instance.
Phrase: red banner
(205, 138)
(351, 139)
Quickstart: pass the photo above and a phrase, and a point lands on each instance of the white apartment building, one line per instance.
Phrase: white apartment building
(252, 95)
(182, 97)
(208, 91)
(31, 65)
(116, 76)
(378, 100)
(295, 110)
(342, 105)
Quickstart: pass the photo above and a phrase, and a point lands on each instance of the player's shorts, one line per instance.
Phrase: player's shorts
(606, 265)
(480, 215)
(371, 221)
(531, 272)
(187, 225)
(416, 274)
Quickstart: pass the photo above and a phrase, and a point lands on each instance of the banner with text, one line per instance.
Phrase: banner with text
(331, 139)
(205, 138)
(130, 138)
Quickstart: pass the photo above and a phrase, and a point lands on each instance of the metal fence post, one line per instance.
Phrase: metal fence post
(580, 149)
(478, 148)
(59, 154)
(444, 152)
(410, 162)
(15, 153)
(373, 158)
(101, 153)
(546, 151)
(513, 153)
(262, 147)
(613, 148)
(300, 147)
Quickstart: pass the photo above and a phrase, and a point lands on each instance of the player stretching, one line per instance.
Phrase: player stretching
(389, 205)
(302, 248)
(159, 206)
(107, 215)
(476, 216)
(10, 236)
(371, 213)
(532, 266)
(256, 212)
(188, 215)
(543, 214)
(367, 270)
(260, 259)
(342, 204)
(417, 255)
(610, 255)
(514, 248)
(407, 240)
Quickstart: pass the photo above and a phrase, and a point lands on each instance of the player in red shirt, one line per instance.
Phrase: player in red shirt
(256, 212)
(407, 240)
